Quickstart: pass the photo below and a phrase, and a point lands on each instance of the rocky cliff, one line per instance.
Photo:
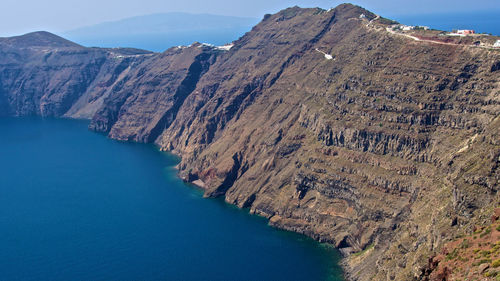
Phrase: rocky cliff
(325, 122)
(43, 74)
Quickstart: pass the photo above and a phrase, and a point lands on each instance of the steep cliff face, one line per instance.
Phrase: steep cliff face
(325, 122)
(148, 98)
(43, 74)
(330, 125)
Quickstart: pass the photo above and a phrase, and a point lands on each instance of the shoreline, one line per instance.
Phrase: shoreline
(199, 183)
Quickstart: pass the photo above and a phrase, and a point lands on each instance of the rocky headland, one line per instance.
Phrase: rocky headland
(322, 121)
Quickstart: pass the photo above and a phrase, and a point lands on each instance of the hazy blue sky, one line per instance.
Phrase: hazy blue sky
(21, 16)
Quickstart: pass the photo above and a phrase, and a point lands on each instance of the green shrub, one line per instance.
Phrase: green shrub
(496, 263)
(387, 21)
(452, 255)
(464, 244)
(485, 232)
(364, 251)
(491, 274)
(484, 261)
(481, 262)
(485, 253)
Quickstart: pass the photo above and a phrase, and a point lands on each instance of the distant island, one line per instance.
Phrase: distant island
(157, 32)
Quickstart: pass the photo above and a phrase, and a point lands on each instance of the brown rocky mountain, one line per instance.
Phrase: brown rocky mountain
(325, 122)
(43, 74)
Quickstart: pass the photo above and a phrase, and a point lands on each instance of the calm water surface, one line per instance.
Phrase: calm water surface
(75, 205)
(481, 22)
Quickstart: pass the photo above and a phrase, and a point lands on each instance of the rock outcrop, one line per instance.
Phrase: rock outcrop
(147, 99)
(322, 121)
(43, 74)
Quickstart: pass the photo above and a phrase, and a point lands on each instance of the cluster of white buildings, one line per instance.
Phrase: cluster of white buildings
(465, 31)
(408, 27)
(462, 32)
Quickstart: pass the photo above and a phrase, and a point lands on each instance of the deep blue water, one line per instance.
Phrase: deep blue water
(481, 22)
(159, 42)
(158, 32)
(75, 205)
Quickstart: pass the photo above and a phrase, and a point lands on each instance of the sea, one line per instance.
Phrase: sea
(480, 21)
(76, 205)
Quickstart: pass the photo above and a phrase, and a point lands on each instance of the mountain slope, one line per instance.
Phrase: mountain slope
(325, 122)
(43, 74)
(150, 96)
(38, 39)
(355, 151)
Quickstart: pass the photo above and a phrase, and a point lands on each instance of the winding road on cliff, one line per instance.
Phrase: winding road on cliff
(388, 29)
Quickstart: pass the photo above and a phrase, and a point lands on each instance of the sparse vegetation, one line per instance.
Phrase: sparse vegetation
(481, 262)
(386, 21)
(491, 274)
(470, 252)
(485, 232)
(453, 255)
(464, 244)
(364, 250)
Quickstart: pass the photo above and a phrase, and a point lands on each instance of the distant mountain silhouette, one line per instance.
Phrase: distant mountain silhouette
(38, 39)
(157, 32)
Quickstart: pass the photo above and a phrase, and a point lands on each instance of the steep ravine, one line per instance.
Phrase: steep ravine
(322, 121)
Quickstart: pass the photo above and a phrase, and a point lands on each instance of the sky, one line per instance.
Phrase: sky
(22, 16)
